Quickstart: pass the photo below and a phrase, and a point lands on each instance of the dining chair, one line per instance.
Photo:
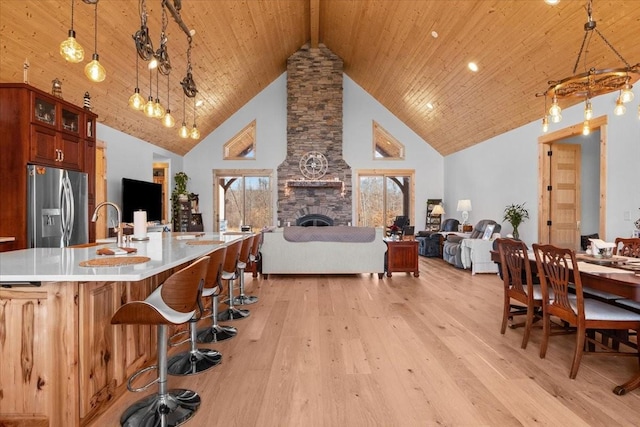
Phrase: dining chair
(629, 247)
(557, 267)
(519, 286)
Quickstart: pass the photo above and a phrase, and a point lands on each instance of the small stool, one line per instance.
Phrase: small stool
(212, 288)
(230, 273)
(243, 299)
(172, 303)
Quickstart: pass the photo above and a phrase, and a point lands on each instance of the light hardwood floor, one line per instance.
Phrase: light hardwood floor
(401, 351)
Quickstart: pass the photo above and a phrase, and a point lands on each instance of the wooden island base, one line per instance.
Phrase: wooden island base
(63, 362)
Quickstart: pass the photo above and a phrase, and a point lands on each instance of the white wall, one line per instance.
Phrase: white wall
(131, 157)
(269, 109)
(504, 170)
(360, 110)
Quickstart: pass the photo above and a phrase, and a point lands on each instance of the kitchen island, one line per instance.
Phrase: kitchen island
(62, 362)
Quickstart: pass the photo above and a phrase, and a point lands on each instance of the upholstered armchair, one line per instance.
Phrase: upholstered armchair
(430, 241)
(457, 250)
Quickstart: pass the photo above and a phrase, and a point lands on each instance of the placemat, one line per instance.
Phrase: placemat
(588, 267)
(114, 261)
(205, 242)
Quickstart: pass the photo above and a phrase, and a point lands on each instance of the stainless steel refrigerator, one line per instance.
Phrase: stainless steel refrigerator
(57, 211)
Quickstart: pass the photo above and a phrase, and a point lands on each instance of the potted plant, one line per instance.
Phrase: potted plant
(180, 189)
(515, 214)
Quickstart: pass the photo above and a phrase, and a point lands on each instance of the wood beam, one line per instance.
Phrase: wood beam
(314, 22)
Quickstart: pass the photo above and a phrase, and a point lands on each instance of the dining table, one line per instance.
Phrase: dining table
(608, 276)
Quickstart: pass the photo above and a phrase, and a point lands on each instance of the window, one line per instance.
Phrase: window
(243, 145)
(385, 146)
(243, 198)
(383, 195)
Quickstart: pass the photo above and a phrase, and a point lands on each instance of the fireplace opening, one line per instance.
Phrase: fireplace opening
(317, 220)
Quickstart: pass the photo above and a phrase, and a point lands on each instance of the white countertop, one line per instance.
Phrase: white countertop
(63, 264)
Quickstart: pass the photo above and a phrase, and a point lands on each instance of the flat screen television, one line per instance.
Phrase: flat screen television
(141, 195)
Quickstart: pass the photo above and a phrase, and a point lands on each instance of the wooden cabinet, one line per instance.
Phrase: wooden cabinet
(184, 220)
(99, 373)
(401, 256)
(40, 129)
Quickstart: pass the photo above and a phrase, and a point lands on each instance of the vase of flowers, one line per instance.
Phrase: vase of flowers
(515, 214)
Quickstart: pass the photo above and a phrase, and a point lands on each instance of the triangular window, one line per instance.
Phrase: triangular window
(243, 145)
(385, 146)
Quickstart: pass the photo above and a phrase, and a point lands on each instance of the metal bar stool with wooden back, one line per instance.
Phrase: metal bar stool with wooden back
(252, 259)
(198, 360)
(230, 273)
(556, 267)
(212, 289)
(172, 303)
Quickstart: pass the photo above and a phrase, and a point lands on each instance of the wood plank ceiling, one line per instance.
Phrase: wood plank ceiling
(387, 46)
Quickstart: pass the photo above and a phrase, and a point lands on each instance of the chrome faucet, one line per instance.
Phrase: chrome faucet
(118, 226)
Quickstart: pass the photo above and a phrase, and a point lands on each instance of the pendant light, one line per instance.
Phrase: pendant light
(195, 133)
(149, 109)
(168, 121)
(158, 109)
(184, 131)
(70, 49)
(94, 70)
(136, 101)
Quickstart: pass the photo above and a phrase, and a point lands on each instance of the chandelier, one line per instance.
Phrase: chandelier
(592, 82)
(158, 60)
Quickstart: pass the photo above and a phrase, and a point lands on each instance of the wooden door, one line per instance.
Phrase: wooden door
(101, 187)
(564, 209)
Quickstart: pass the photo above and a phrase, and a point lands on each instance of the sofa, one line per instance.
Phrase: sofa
(462, 255)
(430, 242)
(320, 254)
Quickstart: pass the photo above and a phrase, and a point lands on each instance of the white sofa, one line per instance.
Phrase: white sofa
(280, 256)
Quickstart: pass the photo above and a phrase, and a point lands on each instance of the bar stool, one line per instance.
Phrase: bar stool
(230, 273)
(198, 360)
(243, 299)
(212, 288)
(172, 303)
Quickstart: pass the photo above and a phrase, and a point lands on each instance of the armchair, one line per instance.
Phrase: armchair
(471, 252)
(430, 242)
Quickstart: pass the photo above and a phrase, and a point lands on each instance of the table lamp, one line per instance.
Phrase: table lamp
(438, 210)
(464, 206)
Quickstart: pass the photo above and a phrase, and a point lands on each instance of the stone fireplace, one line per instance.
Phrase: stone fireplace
(314, 128)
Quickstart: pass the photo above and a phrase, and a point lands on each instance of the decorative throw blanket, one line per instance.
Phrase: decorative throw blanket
(338, 233)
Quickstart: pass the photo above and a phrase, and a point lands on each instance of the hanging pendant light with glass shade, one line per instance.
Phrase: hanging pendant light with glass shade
(158, 108)
(70, 49)
(195, 133)
(136, 101)
(184, 131)
(149, 109)
(168, 121)
(94, 70)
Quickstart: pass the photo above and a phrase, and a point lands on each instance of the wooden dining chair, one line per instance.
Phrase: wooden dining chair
(557, 267)
(629, 247)
(518, 286)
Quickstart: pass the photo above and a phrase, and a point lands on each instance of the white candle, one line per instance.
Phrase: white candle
(140, 224)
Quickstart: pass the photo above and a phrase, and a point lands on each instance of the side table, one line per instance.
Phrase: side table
(401, 256)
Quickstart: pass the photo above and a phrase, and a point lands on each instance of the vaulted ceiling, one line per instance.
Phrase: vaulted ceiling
(388, 48)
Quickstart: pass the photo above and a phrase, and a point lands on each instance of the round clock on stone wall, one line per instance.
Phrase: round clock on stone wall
(313, 165)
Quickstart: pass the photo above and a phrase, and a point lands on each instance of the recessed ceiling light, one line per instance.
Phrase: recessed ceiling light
(552, 2)
(434, 34)
(473, 66)
(430, 106)
(199, 103)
